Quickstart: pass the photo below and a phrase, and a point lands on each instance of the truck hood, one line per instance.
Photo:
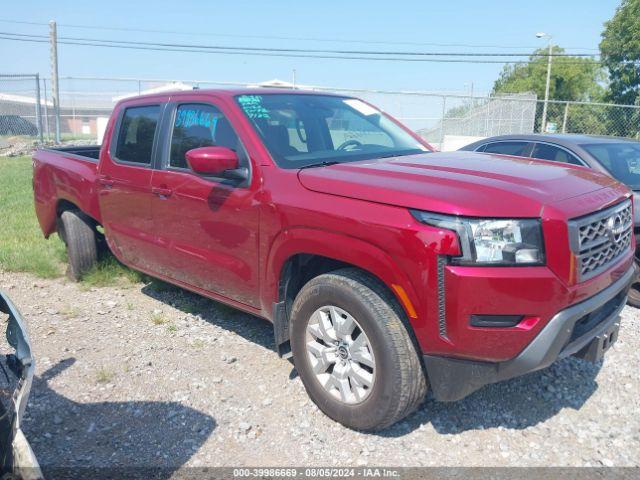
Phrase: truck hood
(461, 183)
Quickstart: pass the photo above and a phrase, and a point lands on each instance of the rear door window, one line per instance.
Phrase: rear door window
(555, 154)
(136, 134)
(507, 148)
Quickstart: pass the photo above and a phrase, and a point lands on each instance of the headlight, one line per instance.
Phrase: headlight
(492, 241)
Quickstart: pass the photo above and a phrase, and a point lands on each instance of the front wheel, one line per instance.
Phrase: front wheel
(352, 351)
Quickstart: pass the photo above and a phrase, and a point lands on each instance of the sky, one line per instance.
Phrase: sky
(499, 26)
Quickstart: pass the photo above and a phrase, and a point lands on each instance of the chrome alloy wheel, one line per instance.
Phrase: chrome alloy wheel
(340, 354)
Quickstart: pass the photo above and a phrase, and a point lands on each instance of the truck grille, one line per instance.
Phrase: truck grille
(598, 239)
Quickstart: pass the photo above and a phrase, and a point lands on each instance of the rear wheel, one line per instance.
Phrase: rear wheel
(353, 352)
(79, 235)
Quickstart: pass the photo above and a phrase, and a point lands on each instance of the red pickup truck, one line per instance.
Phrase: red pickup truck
(383, 266)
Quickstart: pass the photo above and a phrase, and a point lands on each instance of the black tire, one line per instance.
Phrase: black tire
(80, 237)
(400, 382)
(634, 295)
(633, 299)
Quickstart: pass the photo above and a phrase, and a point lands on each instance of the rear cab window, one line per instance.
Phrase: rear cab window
(136, 134)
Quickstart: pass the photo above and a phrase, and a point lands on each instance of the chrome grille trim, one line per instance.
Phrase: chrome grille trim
(600, 238)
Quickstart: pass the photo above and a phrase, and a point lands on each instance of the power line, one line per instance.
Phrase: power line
(338, 52)
(306, 50)
(271, 54)
(267, 54)
(290, 53)
(276, 37)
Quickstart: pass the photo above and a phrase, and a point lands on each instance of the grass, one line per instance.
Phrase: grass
(23, 248)
(159, 318)
(70, 312)
(104, 375)
(109, 272)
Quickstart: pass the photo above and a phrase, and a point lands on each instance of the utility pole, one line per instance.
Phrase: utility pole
(55, 93)
(543, 126)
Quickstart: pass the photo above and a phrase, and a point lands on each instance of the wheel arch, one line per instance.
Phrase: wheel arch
(300, 254)
(63, 205)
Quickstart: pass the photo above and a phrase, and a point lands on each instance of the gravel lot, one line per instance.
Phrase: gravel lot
(150, 377)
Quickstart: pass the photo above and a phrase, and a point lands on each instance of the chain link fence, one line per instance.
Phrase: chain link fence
(447, 121)
(20, 109)
(590, 118)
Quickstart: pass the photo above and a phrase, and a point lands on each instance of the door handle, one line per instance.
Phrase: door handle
(106, 182)
(161, 192)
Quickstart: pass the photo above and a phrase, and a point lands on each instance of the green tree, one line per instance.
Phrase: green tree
(620, 49)
(572, 79)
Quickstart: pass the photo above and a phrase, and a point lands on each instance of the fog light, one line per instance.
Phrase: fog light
(495, 321)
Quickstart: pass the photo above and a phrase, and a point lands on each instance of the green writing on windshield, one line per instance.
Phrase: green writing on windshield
(252, 106)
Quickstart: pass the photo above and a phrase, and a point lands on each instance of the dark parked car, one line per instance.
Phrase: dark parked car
(617, 157)
(16, 125)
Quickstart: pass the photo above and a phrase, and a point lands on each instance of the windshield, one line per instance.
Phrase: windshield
(306, 130)
(622, 160)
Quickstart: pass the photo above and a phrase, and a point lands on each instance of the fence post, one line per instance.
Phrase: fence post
(46, 109)
(486, 117)
(566, 115)
(38, 109)
(444, 112)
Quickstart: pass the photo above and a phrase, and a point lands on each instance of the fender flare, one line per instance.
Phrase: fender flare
(336, 246)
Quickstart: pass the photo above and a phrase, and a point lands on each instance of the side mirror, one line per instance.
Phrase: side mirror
(215, 161)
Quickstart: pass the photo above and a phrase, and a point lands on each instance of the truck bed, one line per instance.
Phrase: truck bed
(65, 175)
(88, 151)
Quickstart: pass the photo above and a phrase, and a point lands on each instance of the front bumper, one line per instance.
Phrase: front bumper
(572, 331)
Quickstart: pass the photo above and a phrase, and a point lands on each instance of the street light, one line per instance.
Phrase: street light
(546, 90)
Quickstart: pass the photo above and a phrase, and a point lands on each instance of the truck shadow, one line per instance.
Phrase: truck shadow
(513, 404)
(254, 329)
(122, 436)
